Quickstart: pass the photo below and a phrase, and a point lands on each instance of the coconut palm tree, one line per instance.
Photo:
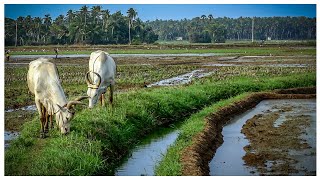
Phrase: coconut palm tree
(47, 23)
(105, 18)
(83, 12)
(132, 14)
(70, 16)
(37, 23)
(95, 13)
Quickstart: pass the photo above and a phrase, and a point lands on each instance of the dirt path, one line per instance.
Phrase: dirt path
(195, 158)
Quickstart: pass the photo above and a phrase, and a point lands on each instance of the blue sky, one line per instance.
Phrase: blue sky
(170, 11)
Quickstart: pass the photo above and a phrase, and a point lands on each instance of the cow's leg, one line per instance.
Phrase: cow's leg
(103, 102)
(51, 121)
(42, 119)
(46, 124)
(111, 93)
(39, 107)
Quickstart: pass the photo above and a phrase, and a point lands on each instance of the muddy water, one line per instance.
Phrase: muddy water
(228, 158)
(26, 108)
(8, 136)
(145, 157)
(182, 79)
(16, 121)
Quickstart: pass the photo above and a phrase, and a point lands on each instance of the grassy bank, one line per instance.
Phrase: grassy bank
(101, 137)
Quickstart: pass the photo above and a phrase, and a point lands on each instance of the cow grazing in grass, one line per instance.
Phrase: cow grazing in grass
(44, 83)
(101, 75)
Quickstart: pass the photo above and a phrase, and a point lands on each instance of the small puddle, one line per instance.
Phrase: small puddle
(222, 65)
(228, 158)
(26, 108)
(145, 157)
(182, 79)
(9, 136)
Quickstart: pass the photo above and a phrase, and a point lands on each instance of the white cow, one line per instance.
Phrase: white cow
(101, 75)
(44, 83)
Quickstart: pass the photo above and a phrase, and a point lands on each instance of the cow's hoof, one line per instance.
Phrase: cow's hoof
(42, 135)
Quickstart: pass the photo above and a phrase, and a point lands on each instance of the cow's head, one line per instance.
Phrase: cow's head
(66, 113)
(94, 90)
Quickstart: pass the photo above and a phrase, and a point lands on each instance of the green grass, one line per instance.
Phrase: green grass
(101, 137)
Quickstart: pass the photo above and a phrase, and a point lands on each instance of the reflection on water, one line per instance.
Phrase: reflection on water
(145, 157)
(8, 136)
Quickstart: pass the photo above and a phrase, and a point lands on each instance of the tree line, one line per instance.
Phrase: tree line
(85, 26)
(99, 26)
(210, 29)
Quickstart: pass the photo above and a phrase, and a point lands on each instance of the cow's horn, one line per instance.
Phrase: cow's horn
(99, 82)
(70, 103)
(81, 98)
(90, 83)
(87, 78)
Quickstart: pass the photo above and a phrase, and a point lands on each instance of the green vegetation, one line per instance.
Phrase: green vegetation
(86, 26)
(98, 26)
(209, 29)
(100, 137)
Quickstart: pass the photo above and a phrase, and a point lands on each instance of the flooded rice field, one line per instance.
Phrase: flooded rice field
(138, 70)
(146, 156)
(277, 137)
(143, 70)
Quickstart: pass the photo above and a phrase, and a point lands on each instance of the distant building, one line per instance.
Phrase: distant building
(179, 38)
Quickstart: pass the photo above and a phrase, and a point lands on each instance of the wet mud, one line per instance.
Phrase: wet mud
(195, 158)
(281, 138)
